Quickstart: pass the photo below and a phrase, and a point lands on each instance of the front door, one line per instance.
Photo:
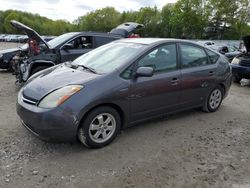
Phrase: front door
(76, 47)
(159, 94)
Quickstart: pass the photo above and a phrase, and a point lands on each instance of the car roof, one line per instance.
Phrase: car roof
(152, 41)
(92, 33)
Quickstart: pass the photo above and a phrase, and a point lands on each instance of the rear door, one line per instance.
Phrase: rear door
(101, 40)
(159, 94)
(197, 73)
(76, 47)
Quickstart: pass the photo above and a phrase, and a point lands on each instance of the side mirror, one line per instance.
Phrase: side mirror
(144, 72)
(68, 46)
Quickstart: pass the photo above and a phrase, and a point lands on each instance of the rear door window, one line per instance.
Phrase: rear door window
(82, 42)
(192, 56)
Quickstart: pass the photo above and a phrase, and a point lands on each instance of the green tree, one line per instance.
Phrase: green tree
(100, 20)
(151, 19)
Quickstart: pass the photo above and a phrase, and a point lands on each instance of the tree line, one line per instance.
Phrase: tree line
(192, 19)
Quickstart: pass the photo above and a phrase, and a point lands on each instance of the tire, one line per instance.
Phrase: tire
(37, 69)
(214, 100)
(99, 127)
(237, 78)
(10, 68)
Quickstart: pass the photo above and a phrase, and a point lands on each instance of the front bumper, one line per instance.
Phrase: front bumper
(4, 64)
(56, 124)
(241, 71)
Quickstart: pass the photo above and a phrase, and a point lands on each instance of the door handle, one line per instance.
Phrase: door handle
(211, 73)
(174, 81)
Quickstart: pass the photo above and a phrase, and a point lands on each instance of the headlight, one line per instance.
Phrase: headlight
(235, 61)
(1, 55)
(58, 96)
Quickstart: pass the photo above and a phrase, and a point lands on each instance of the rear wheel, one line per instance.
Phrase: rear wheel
(100, 127)
(37, 69)
(10, 68)
(214, 100)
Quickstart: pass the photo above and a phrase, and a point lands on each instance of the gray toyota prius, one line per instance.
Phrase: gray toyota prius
(120, 84)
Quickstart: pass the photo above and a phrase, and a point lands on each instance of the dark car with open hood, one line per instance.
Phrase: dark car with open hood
(120, 84)
(241, 64)
(67, 47)
(6, 56)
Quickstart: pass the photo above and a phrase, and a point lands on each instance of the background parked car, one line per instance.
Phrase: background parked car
(241, 63)
(2, 38)
(120, 84)
(6, 56)
(206, 43)
(66, 47)
(229, 51)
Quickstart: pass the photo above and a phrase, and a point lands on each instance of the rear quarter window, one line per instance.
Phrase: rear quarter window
(212, 56)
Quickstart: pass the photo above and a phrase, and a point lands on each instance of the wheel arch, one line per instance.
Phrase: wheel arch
(223, 88)
(112, 105)
(36, 64)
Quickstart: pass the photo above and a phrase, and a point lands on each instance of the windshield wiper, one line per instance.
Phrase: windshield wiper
(88, 68)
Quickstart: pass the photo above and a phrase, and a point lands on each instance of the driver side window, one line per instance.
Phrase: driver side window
(160, 59)
(82, 42)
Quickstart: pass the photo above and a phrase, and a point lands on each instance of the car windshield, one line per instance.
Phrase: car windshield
(109, 57)
(60, 39)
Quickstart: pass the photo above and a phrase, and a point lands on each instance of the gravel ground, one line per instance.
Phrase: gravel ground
(190, 149)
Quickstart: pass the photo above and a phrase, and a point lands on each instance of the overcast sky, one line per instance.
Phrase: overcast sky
(72, 9)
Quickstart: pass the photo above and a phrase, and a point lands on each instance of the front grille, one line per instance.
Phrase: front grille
(245, 63)
(29, 100)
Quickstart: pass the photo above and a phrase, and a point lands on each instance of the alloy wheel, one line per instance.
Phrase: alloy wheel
(102, 127)
(215, 99)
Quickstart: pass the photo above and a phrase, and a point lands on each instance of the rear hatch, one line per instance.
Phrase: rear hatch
(126, 29)
(246, 40)
(245, 57)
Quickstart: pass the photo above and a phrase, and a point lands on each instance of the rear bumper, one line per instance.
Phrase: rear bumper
(227, 84)
(48, 124)
(241, 71)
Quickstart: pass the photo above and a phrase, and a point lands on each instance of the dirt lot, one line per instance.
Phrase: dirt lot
(190, 149)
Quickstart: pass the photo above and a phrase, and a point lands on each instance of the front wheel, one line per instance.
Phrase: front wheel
(100, 127)
(214, 100)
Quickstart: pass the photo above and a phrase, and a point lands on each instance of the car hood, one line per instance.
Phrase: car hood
(54, 78)
(29, 32)
(126, 28)
(246, 40)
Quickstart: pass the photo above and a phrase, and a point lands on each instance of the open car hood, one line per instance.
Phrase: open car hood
(246, 40)
(29, 32)
(126, 28)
